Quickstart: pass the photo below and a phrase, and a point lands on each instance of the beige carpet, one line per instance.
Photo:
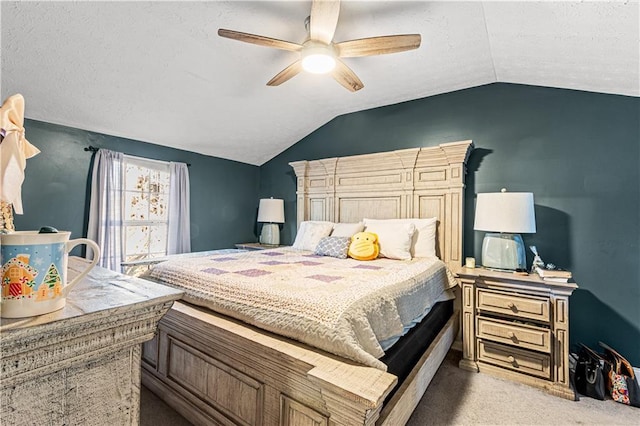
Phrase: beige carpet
(458, 397)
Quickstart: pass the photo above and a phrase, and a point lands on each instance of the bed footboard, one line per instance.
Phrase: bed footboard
(215, 370)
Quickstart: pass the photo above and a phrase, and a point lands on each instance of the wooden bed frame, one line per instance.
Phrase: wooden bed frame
(215, 370)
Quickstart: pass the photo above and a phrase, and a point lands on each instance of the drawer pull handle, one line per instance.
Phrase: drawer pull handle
(512, 306)
(510, 335)
(511, 359)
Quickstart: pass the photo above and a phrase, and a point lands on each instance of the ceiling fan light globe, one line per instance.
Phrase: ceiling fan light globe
(318, 63)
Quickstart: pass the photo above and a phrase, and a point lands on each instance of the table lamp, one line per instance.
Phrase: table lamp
(505, 215)
(270, 213)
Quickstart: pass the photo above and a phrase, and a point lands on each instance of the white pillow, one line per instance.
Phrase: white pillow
(424, 239)
(310, 233)
(347, 229)
(394, 238)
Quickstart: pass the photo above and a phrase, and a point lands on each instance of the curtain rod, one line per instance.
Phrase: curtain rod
(95, 149)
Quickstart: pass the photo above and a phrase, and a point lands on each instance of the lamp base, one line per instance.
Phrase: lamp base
(270, 234)
(503, 252)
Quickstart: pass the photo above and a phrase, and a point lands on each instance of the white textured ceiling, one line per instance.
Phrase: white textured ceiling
(158, 72)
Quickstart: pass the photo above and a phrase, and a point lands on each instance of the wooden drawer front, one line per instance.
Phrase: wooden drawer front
(150, 352)
(231, 392)
(533, 363)
(296, 414)
(524, 336)
(536, 308)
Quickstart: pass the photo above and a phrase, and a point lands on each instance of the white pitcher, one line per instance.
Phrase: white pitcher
(34, 271)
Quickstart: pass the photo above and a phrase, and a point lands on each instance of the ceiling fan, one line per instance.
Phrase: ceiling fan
(320, 54)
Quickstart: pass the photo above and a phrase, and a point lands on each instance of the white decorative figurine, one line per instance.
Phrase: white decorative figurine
(537, 260)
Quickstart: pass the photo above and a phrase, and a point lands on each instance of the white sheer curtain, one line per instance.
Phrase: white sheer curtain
(179, 238)
(105, 212)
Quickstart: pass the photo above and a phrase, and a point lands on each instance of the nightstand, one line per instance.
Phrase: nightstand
(255, 246)
(516, 327)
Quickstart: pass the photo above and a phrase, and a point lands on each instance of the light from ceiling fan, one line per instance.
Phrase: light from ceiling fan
(318, 59)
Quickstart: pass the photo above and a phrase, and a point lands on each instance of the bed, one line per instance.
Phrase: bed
(214, 368)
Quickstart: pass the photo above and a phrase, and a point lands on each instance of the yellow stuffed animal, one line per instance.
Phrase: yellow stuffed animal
(364, 246)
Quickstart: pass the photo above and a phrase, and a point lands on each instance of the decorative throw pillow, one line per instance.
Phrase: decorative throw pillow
(364, 246)
(333, 246)
(310, 233)
(423, 243)
(394, 238)
(347, 229)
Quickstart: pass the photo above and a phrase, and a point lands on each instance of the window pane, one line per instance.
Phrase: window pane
(136, 206)
(137, 240)
(159, 181)
(158, 242)
(163, 179)
(158, 206)
(137, 178)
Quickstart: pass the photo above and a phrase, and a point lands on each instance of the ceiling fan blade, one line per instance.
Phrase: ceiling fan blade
(259, 40)
(378, 45)
(286, 74)
(324, 18)
(346, 77)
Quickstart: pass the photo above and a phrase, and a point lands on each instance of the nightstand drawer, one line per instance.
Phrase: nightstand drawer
(530, 307)
(520, 360)
(524, 336)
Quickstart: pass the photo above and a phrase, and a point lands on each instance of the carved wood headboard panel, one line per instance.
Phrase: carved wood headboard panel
(416, 182)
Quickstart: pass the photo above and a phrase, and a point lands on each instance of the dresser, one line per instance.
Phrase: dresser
(81, 365)
(516, 327)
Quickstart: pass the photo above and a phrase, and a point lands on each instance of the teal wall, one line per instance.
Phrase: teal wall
(57, 185)
(578, 152)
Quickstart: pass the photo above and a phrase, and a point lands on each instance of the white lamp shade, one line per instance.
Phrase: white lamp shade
(510, 212)
(271, 211)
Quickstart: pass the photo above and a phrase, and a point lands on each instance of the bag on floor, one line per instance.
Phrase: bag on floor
(590, 379)
(622, 383)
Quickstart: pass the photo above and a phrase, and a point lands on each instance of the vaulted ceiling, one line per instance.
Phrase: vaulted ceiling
(158, 72)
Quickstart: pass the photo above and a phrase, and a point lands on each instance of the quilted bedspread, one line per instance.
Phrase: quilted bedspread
(342, 306)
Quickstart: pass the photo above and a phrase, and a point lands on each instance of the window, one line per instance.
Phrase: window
(146, 208)
(133, 202)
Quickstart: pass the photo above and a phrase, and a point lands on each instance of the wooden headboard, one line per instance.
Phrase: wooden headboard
(416, 182)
